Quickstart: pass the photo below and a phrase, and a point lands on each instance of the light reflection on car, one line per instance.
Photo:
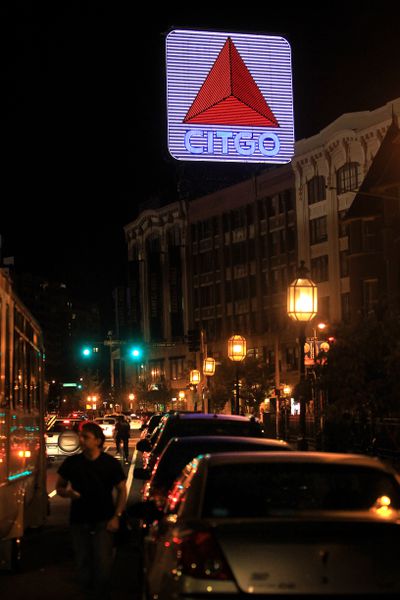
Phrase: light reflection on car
(276, 523)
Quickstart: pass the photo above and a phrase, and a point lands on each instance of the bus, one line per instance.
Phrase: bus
(23, 495)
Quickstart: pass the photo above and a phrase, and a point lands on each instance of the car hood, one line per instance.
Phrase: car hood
(318, 555)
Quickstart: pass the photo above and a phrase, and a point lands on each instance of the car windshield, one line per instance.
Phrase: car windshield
(265, 489)
(105, 421)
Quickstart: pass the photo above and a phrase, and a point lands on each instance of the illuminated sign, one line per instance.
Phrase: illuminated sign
(229, 97)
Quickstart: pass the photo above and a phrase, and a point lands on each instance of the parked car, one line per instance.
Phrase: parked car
(190, 424)
(281, 523)
(62, 437)
(150, 426)
(180, 451)
(107, 424)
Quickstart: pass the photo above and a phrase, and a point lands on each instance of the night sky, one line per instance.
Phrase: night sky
(83, 126)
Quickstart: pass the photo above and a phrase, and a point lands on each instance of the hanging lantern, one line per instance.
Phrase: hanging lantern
(209, 366)
(194, 376)
(302, 298)
(237, 348)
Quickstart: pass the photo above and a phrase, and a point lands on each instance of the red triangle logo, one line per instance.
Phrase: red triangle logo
(230, 96)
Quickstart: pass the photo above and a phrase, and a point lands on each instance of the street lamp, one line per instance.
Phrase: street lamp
(302, 306)
(194, 377)
(208, 371)
(237, 353)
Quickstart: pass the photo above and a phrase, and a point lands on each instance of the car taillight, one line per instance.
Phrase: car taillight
(200, 556)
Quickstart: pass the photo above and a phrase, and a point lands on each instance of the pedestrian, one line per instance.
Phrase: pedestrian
(122, 433)
(89, 479)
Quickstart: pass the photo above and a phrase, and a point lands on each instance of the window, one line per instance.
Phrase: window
(156, 369)
(319, 268)
(347, 178)
(276, 280)
(177, 367)
(318, 230)
(369, 237)
(291, 239)
(344, 263)
(207, 262)
(345, 302)
(316, 189)
(323, 307)
(370, 295)
(275, 236)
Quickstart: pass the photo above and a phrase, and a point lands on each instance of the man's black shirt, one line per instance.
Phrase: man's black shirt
(94, 480)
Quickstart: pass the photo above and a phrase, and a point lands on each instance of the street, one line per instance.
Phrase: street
(47, 569)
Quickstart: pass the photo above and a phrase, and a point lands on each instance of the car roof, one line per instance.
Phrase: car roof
(227, 439)
(209, 416)
(359, 460)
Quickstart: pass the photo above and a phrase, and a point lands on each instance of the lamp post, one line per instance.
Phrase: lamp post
(208, 371)
(194, 378)
(237, 353)
(302, 306)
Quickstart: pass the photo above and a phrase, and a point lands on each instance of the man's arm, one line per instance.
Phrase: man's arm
(113, 523)
(64, 491)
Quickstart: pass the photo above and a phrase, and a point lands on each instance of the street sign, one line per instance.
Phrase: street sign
(229, 97)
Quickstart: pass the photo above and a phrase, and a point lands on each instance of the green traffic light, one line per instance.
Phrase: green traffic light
(86, 352)
(135, 353)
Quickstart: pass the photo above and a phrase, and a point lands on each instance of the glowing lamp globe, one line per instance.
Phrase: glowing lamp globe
(194, 376)
(237, 348)
(209, 366)
(302, 300)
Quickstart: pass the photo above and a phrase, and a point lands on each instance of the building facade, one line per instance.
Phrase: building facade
(222, 262)
(374, 234)
(329, 169)
(158, 293)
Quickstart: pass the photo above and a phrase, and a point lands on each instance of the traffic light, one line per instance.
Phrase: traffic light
(87, 352)
(135, 353)
(194, 340)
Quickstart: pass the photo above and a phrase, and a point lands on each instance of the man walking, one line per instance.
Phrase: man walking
(89, 479)
(122, 433)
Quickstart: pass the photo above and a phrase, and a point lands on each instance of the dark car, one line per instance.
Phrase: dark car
(191, 424)
(180, 451)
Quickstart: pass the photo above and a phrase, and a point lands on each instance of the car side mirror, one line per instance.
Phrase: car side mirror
(143, 446)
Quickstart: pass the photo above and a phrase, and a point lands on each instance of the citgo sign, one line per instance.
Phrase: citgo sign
(229, 97)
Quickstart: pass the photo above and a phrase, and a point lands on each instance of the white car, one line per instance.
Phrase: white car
(246, 524)
(62, 437)
(135, 422)
(107, 424)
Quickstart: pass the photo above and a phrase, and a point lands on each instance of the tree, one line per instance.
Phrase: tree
(361, 374)
(255, 378)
